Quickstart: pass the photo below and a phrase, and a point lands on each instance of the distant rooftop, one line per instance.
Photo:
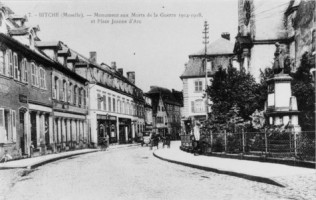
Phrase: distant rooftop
(218, 47)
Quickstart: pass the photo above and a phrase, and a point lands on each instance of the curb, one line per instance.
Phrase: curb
(240, 175)
(33, 166)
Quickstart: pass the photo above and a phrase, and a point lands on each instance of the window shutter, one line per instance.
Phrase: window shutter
(99, 102)
(1, 117)
(53, 87)
(192, 106)
(13, 125)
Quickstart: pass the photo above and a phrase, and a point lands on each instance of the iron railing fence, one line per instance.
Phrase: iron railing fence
(293, 145)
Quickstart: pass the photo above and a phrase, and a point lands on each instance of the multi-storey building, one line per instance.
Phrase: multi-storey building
(116, 105)
(25, 89)
(43, 104)
(166, 107)
(219, 54)
(69, 97)
(148, 114)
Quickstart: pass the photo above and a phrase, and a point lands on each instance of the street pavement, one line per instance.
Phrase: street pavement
(134, 173)
(40, 160)
(252, 170)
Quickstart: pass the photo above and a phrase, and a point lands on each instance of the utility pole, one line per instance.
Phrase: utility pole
(205, 42)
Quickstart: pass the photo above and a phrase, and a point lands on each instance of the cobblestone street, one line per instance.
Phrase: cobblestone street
(136, 174)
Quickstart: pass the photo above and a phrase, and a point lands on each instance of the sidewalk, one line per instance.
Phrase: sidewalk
(31, 163)
(252, 170)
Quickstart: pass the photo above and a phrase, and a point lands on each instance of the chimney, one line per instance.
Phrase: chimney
(120, 71)
(131, 77)
(93, 57)
(113, 65)
(226, 35)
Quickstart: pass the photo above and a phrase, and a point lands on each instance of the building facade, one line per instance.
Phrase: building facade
(116, 106)
(195, 80)
(166, 106)
(25, 94)
(69, 97)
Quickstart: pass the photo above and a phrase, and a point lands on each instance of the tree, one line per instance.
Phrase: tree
(303, 90)
(234, 88)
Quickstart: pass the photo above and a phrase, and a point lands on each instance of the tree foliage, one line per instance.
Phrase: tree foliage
(234, 88)
(303, 89)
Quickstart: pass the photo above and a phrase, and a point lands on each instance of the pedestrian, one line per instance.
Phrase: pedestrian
(6, 157)
(31, 149)
(107, 141)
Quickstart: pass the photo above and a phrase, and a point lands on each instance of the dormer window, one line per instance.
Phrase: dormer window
(31, 39)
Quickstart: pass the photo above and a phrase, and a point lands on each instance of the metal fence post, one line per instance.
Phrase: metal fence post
(243, 140)
(266, 141)
(211, 140)
(295, 145)
(225, 138)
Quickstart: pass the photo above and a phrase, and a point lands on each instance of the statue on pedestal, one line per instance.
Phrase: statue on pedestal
(282, 61)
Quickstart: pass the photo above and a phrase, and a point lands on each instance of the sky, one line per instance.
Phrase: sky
(153, 37)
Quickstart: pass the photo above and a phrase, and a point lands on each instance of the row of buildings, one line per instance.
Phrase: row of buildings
(54, 99)
(261, 24)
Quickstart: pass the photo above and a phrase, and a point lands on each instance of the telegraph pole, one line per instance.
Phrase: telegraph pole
(205, 42)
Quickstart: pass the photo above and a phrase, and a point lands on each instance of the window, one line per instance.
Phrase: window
(55, 86)
(26, 68)
(7, 125)
(10, 63)
(75, 95)
(109, 102)
(99, 101)
(197, 106)
(16, 67)
(198, 86)
(114, 107)
(64, 91)
(70, 93)
(23, 68)
(42, 78)
(2, 63)
(118, 106)
(104, 102)
(80, 97)
(33, 72)
(84, 98)
(122, 106)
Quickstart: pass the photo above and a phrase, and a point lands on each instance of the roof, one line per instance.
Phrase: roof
(19, 31)
(49, 44)
(218, 47)
(166, 95)
(194, 68)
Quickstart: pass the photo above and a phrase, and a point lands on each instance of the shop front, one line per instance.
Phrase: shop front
(125, 130)
(106, 125)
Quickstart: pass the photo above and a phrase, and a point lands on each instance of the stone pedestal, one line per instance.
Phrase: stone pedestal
(281, 105)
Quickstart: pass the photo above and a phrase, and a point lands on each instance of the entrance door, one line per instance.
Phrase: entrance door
(23, 135)
(33, 129)
(122, 134)
(101, 130)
